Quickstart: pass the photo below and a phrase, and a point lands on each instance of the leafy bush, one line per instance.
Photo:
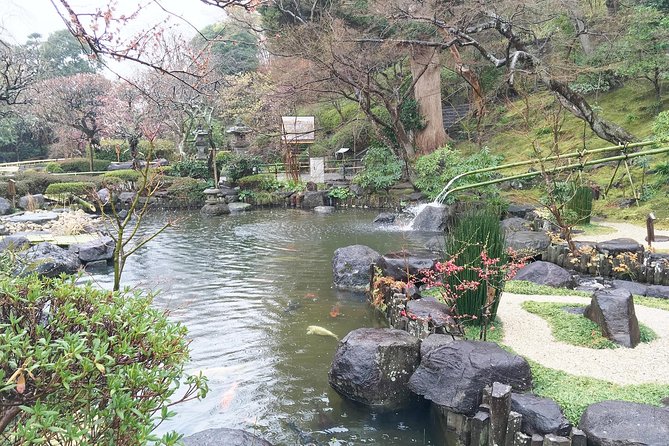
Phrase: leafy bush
(581, 204)
(340, 193)
(128, 175)
(260, 182)
(435, 170)
(661, 125)
(381, 170)
(83, 165)
(192, 168)
(53, 168)
(187, 189)
(238, 166)
(74, 188)
(81, 365)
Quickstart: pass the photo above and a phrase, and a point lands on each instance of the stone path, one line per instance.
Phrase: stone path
(624, 230)
(530, 335)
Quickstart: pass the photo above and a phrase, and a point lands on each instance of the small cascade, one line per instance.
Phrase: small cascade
(429, 217)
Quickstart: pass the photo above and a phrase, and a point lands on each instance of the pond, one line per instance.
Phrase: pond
(247, 286)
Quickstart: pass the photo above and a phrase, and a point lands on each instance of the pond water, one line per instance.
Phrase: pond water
(247, 286)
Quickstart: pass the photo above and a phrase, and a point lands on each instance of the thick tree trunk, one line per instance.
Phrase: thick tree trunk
(426, 71)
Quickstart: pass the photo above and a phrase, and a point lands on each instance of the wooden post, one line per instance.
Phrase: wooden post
(650, 229)
(11, 191)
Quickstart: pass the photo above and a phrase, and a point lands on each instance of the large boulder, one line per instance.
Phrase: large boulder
(5, 206)
(14, 242)
(546, 273)
(433, 218)
(313, 199)
(621, 423)
(435, 340)
(613, 311)
(640, 289)
(49, 260)
(454, 375)
(95, 250)
(660, 291)
(31, 202)
(619, 246)
(429, 308)
(351, 267)
(215, 209)
(528, 242)
(224, 437)
(398, 264)
(372, 366)
(540, 415)
(239, 206)
(385, 218)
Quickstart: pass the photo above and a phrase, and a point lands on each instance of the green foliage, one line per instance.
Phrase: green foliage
(661, 125)
(234, 47)
(477, 232)
(128, 175)
(259, 182)
(83, 165)
(341, 193)
(53, 168)
(581, 204)
(411, 119)
(238, 166)
(75, 188)
(37, 182)
(435, 170)
(162, 148)
(524, 287)
(83, 363)
(186, 189)
(63, 55)
(191, 168)
(381, 170)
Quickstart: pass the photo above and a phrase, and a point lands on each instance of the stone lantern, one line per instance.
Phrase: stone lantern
(201, 143)
(239, 142)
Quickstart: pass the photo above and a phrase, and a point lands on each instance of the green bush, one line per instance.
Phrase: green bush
(192, 168)
(186, 189)
(581, 205)
(381, 170)
(53, 168)
(128, 175)
(82, 363)
(260, 182)
(237, 166)
(435, 170)
(341, 193)
(83, 165)
(477, 231)
(75, 188)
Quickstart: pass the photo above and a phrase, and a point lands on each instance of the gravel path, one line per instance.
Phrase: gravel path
(623, 230)
(530, 335)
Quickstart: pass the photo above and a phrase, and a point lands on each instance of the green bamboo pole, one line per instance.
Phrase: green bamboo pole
(557, 169)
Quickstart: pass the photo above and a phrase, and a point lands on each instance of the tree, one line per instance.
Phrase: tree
(75, 101)
(62, 55)
(234, 48)
(642, 50)
(19, 70)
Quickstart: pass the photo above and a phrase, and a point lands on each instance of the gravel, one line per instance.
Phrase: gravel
(530, 335)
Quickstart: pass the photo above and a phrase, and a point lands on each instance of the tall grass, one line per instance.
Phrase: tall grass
(475, 232)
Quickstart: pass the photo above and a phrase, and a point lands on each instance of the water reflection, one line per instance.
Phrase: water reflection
(247, 287)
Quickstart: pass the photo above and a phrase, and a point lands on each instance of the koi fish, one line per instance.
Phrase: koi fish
(320, 331)
(335, 311)
(228, 396)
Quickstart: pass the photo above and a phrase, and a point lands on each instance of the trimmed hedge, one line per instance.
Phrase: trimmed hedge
(74, 188)
(83, 165)
(123, 175)
(261, 182)
(37, 182)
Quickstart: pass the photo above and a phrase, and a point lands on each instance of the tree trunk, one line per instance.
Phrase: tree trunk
(426, 72)
(583, 36)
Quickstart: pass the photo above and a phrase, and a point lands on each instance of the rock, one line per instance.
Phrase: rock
(540, 415)
(385, 218)
(546, 273)
(372, 366)
(619, 246)
(311, 186)
(528, 242)
(454, 375)
(48, 260)
(226, 190)
(103, 196)
(14, 242)
(398, 264)
(434, 341)
(313, 199)
(351, 267)
(31, 202)
(324, 209)
(433, 218)
(34, 217)
(430, 308)
(96, 266)
(120, 166)
(436, 244)
(224, 437)
(661, 291)
(613, 311)
(125, 198)
(215, 209)
(212, 191)
(515, 224)
(640, 289)
(4, 230)
(5, 206)
(621, 423)
(95, 250)
(357, 190)
(519, 210)
(239, 207)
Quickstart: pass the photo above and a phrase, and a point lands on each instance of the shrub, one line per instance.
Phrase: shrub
(581, 205)
(83, 165)
(128, 175)
(238, 166)
(187, 189)
(81, 365)
(74, 188)
(53, 168)
(261, 182)
(381, 170)
(340, 193)
(435, 170)
(192, 168)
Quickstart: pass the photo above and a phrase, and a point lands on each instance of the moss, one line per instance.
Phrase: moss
(123, 175)
(74, 188)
